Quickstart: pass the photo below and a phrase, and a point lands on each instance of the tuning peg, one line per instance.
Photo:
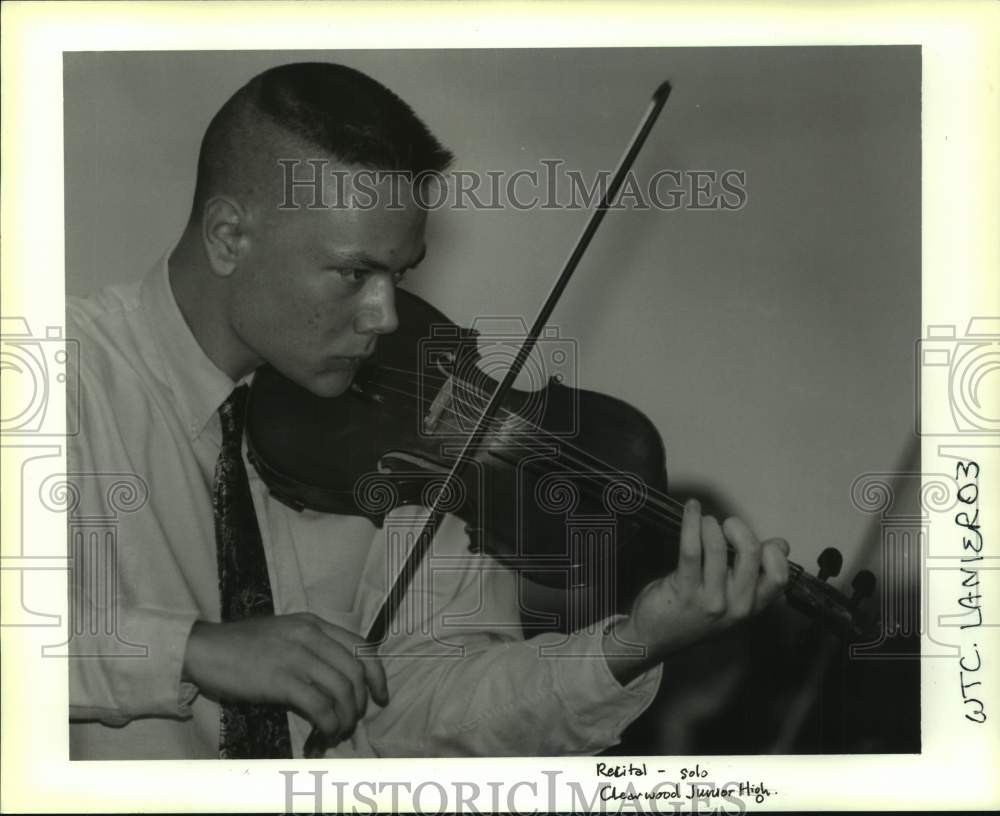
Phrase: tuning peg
(863, 586)
(830, 561)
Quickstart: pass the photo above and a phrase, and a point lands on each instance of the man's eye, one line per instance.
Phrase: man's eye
(360, 275)
(352, 275)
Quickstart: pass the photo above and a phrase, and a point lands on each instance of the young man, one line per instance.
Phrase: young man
(235, 636)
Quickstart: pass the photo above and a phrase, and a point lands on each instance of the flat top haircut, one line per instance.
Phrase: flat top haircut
(342, 112)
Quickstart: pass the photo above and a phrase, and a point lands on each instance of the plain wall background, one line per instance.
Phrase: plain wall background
(772, 346)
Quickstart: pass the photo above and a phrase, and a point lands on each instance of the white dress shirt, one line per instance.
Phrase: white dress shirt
(463, 681)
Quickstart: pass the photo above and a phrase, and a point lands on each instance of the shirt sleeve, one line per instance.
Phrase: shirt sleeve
(127, 637)
(464, 682)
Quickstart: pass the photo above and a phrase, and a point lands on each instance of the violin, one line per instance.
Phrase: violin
(550, 458)
(565, 486)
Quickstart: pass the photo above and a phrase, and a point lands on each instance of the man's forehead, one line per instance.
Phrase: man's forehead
(375, 236)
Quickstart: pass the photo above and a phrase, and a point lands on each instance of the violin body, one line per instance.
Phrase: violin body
(557, 491)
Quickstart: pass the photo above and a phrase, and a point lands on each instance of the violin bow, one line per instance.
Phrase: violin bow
(316, 743)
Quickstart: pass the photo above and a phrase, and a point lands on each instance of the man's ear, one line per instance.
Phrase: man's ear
(224, 234)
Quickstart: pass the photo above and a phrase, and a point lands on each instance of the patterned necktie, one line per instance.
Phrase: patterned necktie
(247, 730)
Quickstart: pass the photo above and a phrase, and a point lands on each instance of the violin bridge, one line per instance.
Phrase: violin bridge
(441, 401)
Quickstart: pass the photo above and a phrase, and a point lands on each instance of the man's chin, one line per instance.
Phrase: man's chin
(323, 382)
(329, 384)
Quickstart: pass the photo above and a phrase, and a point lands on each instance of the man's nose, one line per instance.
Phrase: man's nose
(377, 314)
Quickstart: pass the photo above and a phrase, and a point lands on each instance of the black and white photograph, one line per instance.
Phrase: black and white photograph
(741, 320)
(463, 403)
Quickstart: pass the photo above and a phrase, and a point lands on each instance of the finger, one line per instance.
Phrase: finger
(312, 704)
(774, 575)
(372, 674)
(339, 690)
(747, 567)
(327, 646)
(377, 682)
(716, 569)
(689, 560)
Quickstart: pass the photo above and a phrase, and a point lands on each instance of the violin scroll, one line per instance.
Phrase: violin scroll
(813, 596)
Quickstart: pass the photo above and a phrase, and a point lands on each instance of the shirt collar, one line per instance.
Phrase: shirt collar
(198, 387)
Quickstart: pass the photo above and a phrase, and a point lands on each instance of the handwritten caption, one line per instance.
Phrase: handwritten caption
(970, 660)
(637, 782)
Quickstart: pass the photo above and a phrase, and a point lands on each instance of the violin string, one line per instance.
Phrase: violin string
(661, 504)
(658, 504)
(670, 507)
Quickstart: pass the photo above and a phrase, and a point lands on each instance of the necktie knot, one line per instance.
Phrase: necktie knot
(231, 416)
